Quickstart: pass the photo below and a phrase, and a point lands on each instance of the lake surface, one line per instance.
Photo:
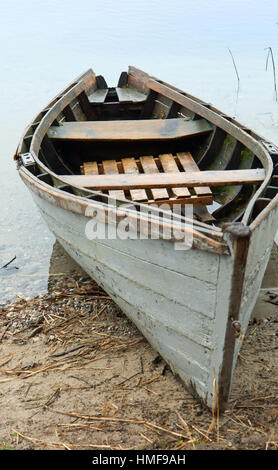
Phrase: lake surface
(44, 45)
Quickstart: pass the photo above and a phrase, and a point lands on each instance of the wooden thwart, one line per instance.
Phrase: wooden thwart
(167, 180)
(147, 129)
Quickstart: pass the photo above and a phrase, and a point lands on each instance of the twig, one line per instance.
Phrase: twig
(237, 74)
(61, 444)
(186, 428)
(147, 438)
(270, 53)
(35, 332)
(9, 262)
(234, 64)
(83, 380)
(5, 330)
(129, 378)
(69, 351)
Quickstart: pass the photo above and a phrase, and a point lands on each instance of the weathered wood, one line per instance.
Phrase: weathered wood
(151, 129)
(79, 114)
(69, 114)
(188, 164)
(181, 201)
(130, 95)
(173, 110)
(90, 168)
(271, 192)
(169, 166)
(232, 128)
(101, 82)
(164, 180)
(149, 166)
(130, 167)
(86, 107)
(148, 105)
(87, 80)
(110, 168)
(123, 79)
(98, 96)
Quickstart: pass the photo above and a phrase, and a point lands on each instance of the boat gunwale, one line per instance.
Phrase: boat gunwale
(79, 85)
(82, 206)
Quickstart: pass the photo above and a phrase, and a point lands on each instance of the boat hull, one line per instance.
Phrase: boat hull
(179, 300)
(192, 305)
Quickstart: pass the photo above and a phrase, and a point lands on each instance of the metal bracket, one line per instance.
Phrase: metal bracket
(27, 159)
(271, 148)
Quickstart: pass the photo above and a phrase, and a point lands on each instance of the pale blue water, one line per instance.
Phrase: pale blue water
(44, 45)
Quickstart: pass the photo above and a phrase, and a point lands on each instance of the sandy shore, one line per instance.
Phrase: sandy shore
(76, 374)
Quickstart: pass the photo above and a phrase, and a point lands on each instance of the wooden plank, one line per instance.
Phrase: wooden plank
(188, 163)
(148, 105)
(130, 95)
(130, 167)
(98, 96)
(149, 166)
(90, 168)
(78, 113)
(164, 180)
(69, 114)
(148, 129)
(169, 166)
(193, 200)
(110, 168)
(86, 106)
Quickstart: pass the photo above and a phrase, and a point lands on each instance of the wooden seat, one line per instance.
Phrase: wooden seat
(130, 95)
(148, 181)
(125, 95)
(134, 130)
(149, 165)
(98, 96)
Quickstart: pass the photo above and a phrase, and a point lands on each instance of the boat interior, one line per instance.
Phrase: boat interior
(96, 141)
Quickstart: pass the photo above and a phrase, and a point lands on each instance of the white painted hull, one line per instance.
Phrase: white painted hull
(179, 300)
(193, 306)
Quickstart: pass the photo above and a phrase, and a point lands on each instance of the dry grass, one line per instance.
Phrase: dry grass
(134, 408)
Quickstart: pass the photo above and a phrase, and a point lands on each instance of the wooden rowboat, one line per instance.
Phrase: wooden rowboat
(104, 155)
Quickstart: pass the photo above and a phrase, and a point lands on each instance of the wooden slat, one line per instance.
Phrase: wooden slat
(110, 168)
(169, 166)
(130, 95)
(69, 114)
(164, 180)
(90, 168)
(130, 167)
(98, 96)
(149, 166)
(188, 163)
(148, 129)
(193, 200)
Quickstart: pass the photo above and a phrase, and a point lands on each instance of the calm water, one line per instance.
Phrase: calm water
(44, 45)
